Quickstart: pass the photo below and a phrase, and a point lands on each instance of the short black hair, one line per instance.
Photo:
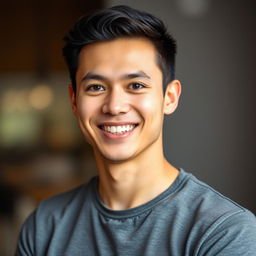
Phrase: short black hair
(116, 22)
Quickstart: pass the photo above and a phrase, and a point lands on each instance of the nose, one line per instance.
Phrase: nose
(116, 103)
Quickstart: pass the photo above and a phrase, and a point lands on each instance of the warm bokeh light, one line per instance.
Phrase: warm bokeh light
(41, 97)
(14, 100)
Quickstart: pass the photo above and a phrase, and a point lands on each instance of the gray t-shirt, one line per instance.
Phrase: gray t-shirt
(189, 218)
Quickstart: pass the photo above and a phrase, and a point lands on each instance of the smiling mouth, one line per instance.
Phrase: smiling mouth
(118, 129)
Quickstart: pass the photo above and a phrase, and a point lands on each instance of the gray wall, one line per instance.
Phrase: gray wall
(212, 134)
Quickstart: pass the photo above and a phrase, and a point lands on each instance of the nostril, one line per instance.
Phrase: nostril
(115, 109)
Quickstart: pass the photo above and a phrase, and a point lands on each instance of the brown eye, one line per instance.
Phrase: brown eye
(95, 88)
(136, 86)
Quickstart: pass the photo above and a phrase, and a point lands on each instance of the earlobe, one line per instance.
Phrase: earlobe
(171, 97)
(72, 97)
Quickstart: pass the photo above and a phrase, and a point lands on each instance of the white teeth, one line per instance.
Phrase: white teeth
(118, 129)
(113, 129)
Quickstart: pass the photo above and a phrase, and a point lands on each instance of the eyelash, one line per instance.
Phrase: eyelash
(99, 88)
(140, 85)
(92, 88)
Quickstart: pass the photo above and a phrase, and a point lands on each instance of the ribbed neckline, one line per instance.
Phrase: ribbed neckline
(133, 212)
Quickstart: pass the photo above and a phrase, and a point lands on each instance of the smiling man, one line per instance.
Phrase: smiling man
(121, 63)
(119, 103)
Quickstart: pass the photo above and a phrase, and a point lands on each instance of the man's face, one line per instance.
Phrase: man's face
(119, 102)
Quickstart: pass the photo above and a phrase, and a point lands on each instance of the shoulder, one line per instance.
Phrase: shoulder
(200, 206)
(57, 205)
(222, 226)
(233, 235)
(207, 199)
(40, 225)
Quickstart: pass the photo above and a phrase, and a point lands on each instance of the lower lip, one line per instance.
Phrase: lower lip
(117, 136)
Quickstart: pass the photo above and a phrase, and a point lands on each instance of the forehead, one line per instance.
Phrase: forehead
(119, 56)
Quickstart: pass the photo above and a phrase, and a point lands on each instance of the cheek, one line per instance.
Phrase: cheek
(83, 111)
(86, 108)
(151, 106)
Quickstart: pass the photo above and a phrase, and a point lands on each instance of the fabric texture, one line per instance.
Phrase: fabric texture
(189, 218)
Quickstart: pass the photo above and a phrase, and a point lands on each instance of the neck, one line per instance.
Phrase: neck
(134, 182)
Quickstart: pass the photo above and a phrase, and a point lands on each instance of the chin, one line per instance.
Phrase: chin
(117, 158)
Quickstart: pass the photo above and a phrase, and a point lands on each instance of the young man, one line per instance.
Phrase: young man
(121, 63)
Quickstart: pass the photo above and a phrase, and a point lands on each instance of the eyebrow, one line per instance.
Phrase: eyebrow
(95, 76)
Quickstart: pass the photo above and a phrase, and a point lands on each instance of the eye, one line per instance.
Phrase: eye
(95, 88)
(136, 86)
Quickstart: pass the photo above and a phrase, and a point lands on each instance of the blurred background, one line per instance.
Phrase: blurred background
(212, 134)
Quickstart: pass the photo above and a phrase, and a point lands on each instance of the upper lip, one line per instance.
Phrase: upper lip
(117, 123)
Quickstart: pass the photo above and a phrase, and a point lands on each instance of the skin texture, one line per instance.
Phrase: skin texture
(120, 83)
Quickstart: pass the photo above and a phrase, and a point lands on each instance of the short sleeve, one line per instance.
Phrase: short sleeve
(25, 246)
(235, 235)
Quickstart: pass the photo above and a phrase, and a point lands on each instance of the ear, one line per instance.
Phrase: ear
(171, 97)
(72, 97)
